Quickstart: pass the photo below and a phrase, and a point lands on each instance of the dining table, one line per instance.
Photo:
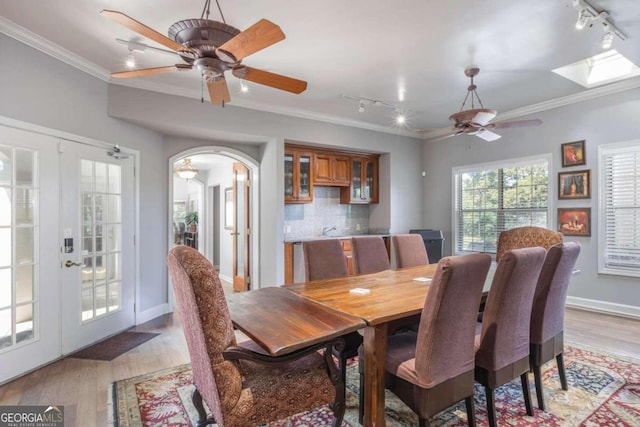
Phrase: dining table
(377, 299)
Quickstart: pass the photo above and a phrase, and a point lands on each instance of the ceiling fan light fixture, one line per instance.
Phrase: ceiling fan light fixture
(186, 170)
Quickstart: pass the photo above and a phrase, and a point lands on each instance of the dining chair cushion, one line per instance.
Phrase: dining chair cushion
(324, 259)
(410, 250)
(369, 254)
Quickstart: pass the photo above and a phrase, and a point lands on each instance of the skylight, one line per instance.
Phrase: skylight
(600, 69)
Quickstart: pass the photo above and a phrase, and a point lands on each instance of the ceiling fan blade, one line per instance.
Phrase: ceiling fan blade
(143, 30)
(483, 117)
(262, 34)
(219, 92)
(487, 135)
(273, 80)
(434, 130)
(440, 138)
(151, 71)
(514, 124)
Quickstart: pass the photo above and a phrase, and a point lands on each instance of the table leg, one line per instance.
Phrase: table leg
(375, 353)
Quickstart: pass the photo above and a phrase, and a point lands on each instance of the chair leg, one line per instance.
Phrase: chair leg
(471, 411)
(537, 375)
(361, 392)
(423, 422)
(491, 406)
(561, 372)
(196, 399)
(526, 393)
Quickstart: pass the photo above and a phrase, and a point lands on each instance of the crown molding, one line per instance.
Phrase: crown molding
(47, 47)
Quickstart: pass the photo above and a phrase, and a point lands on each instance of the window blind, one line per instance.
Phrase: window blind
(620, 209)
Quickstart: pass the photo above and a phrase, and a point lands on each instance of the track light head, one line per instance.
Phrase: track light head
(131, 60)
(361, 107)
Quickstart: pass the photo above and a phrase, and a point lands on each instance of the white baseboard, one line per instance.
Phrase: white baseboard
(604, 307)
(226, 278)
(152, 313)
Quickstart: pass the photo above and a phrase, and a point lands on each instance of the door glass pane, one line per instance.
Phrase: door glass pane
(5, 206)
(24, 245)
(101, 239)
(6, 338)
(24, 206)
(305, 176)
(24, 323)
(356, 183)
(6, 165)
(5, 247)
(240, 223)
(25, 162)
(288, 175)
(368, 185)
(24, 284)
(5, 287)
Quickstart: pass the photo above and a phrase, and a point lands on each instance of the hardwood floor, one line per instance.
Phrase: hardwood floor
(82, 385)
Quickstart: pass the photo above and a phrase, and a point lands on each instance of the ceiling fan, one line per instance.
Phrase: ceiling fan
(476, 121)
(212, 47)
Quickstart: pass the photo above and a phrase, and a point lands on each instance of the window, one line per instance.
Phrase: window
(619, 228)
(491, 198)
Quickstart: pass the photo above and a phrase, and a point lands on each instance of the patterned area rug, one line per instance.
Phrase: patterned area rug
(604, 390)
(113, 347)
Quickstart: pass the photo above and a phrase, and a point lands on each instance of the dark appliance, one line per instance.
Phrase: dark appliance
(433, 242)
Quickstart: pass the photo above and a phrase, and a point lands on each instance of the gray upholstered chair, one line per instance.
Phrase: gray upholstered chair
(410, 250)
(502, 344)
(369, 254)
(242, 386)
(324, 259)
(434, 368)
(547, 314)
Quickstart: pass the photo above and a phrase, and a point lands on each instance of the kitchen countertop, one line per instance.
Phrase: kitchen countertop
(306, 239)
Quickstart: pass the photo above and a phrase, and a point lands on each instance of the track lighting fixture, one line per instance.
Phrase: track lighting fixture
(400, 118)
(607, 40)
(587, 14)
(243, 87)
(361, 107)
(131, 60)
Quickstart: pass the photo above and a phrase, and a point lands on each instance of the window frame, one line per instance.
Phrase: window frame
(500, 164)
(604, 151)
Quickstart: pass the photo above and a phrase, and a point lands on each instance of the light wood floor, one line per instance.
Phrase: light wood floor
(82, 385)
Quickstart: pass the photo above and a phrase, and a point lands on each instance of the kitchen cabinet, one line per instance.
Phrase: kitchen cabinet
(363, 188)
(298, 178)
(331, 169)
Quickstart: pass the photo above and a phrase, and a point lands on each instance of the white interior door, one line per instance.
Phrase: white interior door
(29, 252)
(97, 267)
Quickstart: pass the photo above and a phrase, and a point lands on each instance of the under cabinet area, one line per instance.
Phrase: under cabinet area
(355, 173)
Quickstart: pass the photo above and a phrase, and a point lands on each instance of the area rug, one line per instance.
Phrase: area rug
(604, 390)
(113, 347)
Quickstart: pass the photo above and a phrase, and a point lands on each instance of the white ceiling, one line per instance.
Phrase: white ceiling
(364, 48)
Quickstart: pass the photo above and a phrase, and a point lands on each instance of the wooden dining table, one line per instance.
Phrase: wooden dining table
(388, 295)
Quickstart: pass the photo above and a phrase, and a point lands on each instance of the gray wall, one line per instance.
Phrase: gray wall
(603, 120)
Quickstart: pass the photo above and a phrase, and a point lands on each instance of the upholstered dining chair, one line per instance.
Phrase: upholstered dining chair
(502, 344)
(324, 259)
(434, 368)
(410, 250)
(369, 254)
(547, 313)
(241, 384)
(526, 237)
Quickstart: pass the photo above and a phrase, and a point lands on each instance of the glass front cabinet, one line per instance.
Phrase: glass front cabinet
(298, 180)
(364, 181)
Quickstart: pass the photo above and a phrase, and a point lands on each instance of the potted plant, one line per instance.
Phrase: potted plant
(191, 219)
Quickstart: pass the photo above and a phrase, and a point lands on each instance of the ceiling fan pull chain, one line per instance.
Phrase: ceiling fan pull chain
(202, 89)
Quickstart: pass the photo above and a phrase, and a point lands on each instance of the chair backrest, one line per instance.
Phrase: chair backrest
(547, 313)
(369, 254)
(446, 333)
(526, 237)
(507, 315)
(207, 328)
(324, 259)
(410, 250)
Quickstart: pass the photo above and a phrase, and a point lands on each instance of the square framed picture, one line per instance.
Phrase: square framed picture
(574, 221)
(574, 185)
(573, 154)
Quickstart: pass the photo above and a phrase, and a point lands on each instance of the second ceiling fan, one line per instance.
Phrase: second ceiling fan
(213, 47)
(476, 121)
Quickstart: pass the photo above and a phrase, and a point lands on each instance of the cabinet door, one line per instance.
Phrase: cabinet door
(305, 179)
(289, 168)
(340, 170)
(370, 180)
(363, 186)
(322, 169)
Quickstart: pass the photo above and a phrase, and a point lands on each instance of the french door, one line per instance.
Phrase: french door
(66, 248)
(241, 230)
(97, 270)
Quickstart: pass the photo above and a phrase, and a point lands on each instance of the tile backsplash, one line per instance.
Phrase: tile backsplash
(307, 220)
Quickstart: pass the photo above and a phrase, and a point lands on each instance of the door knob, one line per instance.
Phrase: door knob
(70, 263)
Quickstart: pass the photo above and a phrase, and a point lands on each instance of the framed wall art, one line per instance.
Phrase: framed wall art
(574, 221)
(573, 154)
(574, 185)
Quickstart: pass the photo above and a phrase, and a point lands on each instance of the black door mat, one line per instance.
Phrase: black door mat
(113, 347)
